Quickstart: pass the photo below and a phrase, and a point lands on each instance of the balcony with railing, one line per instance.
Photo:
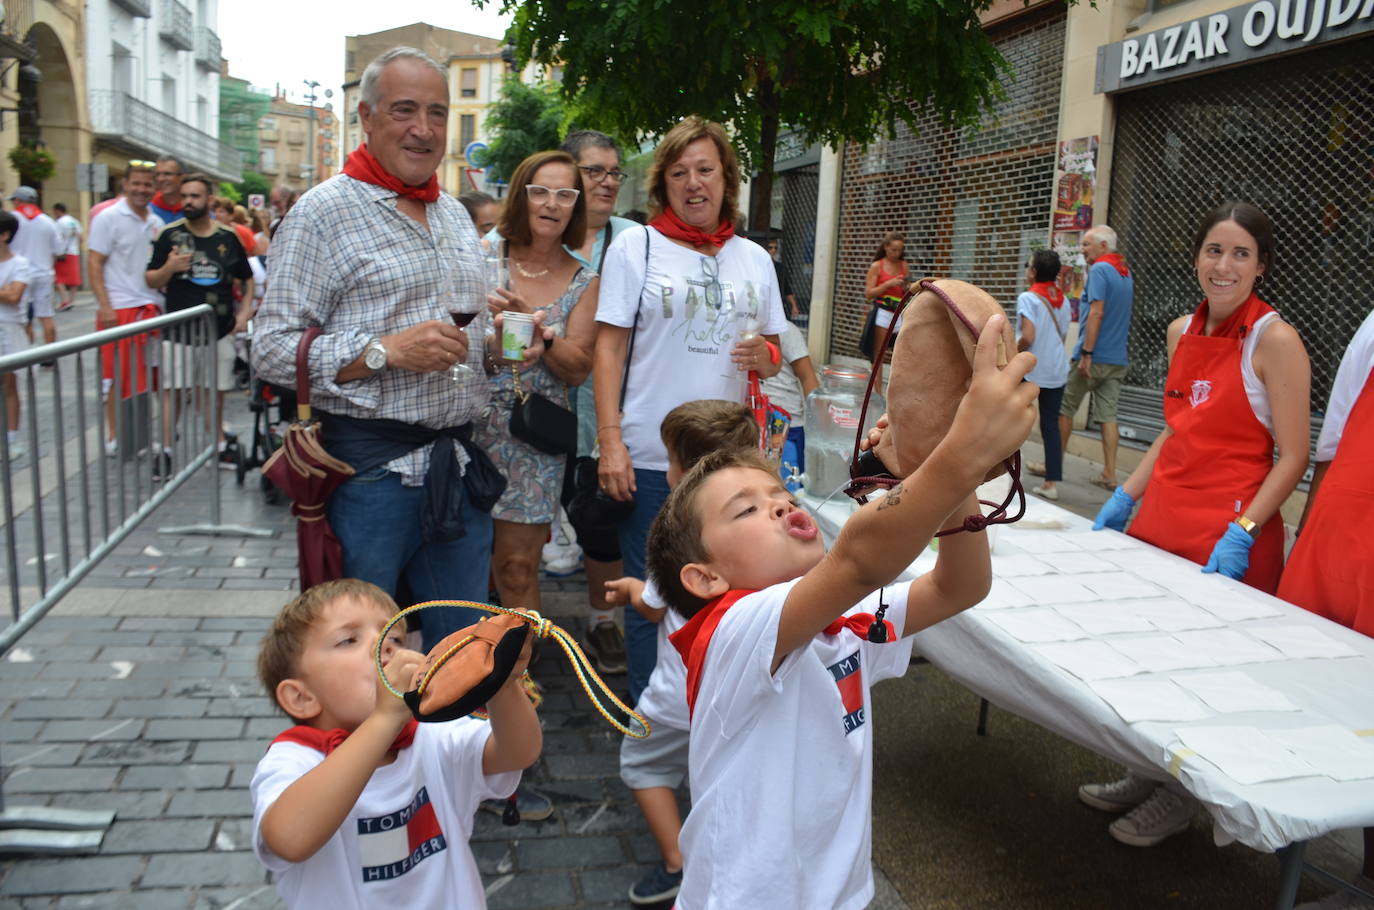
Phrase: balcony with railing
(174, 24)
(208, 49)
(142, 9)
(142, 129)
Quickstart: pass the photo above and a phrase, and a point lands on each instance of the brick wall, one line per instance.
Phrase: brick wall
(970, 202)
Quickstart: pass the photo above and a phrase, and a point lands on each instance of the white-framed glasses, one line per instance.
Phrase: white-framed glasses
(565, 197)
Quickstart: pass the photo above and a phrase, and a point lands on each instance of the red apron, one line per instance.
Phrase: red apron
(1219, 453)
(1331, 569)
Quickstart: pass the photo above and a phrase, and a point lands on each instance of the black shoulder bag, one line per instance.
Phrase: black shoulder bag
(539, 422)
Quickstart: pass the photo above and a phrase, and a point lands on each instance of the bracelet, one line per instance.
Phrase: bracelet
(1085, 353)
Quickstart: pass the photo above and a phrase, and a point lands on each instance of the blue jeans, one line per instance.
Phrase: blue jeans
(641, 636)
(1049, 431)
(378, 522)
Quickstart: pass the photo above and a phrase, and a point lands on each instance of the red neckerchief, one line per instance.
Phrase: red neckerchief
(674, 228)
(1115, 261)
(361, 165)
(327, 741)
(1050, 291)
(160, 202)
(693, 639)
(28, 210)
(1237, 325)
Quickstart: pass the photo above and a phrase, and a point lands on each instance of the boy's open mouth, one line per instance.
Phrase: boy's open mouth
(800, 525)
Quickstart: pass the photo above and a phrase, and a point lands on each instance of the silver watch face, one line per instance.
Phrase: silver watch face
(374, 356)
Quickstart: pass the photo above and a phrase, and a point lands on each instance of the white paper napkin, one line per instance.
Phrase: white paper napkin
(1302, 641)
(1089, 659)
(1170, 615)
(1228, 647)
(1103, 618)
(1042, 541)
(1114, 584)
(1245, 754)
(1079, 563)
(1002, 595)
(1148, 699)
(1156, 653)
(1053, 590)
(1013, 565)
(1333, 751)
(1231, 691)
(1036, 624)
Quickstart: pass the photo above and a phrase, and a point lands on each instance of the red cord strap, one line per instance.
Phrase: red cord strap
(860, 485)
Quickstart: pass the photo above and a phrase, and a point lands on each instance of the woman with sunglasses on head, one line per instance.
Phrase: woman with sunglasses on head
(1238, 388)
(544, 210)
(687, 309)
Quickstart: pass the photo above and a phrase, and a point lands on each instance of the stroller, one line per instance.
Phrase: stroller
(267, 426)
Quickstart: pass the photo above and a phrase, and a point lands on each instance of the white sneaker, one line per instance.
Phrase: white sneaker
(1044, 492)
(1119, 795)
(17, 451)
(561, 559)
(1161, 816)
(111, 448)
(1344, 900)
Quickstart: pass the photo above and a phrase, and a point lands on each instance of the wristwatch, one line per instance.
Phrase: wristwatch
(1085, 353)
(1248, 526)
(374, 355)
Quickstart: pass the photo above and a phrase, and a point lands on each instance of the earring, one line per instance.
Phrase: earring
(1259, 280)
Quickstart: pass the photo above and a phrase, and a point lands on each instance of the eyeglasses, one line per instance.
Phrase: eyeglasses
(710, 267)
(140, 163)
(540, 194)
(596, 173)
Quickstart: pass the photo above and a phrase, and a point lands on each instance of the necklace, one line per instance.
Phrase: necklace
(531, 275)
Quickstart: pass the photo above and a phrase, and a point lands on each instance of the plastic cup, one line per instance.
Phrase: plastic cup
(517, 332)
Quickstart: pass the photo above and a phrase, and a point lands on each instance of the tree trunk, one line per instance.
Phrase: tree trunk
(761, 190)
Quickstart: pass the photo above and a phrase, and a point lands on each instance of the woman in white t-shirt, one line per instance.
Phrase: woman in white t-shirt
(685, 308)
(1042, 322)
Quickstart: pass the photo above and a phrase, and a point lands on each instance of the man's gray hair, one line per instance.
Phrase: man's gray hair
(367, 89)
(163, 159)
(578, 140)
(1105, 234)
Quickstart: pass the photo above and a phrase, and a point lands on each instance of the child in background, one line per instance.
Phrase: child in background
(359, 806)
(778, 676)
(654, 767)
(788, 390)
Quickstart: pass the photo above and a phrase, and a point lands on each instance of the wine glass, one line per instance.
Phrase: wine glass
(462, 307)
(185, 245)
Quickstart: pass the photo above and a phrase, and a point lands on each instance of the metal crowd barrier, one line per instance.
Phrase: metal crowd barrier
(154, 370)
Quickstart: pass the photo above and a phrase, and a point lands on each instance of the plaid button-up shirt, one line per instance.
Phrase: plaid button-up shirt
(347, 260)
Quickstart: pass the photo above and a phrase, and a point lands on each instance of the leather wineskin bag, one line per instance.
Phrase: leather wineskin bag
(466, 669)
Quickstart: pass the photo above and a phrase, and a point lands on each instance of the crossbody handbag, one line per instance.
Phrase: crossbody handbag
(539, 422)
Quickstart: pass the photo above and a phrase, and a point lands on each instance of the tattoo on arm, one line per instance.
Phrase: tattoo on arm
(893, 498)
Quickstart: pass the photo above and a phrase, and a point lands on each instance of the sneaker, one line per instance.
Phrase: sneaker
(1340, 900)
(17, 451)
(1036, 467)
(1119, 795)
(606, 645)
(1162, 815)
(111, 448)
(530, 805)
(1044, 492)
(658, 886)
(162, 467)
(229, 457)
(561, 560)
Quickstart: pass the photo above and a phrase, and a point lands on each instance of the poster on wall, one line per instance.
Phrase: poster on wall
(1075, 181)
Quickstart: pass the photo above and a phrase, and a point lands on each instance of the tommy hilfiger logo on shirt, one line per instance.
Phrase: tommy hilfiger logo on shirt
(390, 845)
(849, 679)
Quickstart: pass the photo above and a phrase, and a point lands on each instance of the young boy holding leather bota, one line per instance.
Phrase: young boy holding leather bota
(778, 675)
(358, 806)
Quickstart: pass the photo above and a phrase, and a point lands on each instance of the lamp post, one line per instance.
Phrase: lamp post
(311, 97)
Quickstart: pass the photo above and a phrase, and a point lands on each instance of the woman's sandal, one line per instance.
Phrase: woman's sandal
(1104, 483)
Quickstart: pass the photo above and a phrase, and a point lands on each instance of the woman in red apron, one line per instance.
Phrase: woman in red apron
(1239, 382)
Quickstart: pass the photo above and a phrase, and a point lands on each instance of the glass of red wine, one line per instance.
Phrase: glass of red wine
(463, 306)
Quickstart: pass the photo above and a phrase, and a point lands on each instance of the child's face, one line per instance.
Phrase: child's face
(754, 530)
(337, 665)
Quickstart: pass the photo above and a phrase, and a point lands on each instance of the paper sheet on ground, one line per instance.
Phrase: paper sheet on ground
(1170, 615)
(1231, 691)
(1302, 641)
(1157, 653)
(1245, 754)
(1089, 659)
(1228, 647)
(1103, 618)
(1037, 624)
(1333, 751)
(1148, 699)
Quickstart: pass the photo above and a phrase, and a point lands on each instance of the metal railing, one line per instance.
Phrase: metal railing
(208, 48)
(120, 117)
(174, 24)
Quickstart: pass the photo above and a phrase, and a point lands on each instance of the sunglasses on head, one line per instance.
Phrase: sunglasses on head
(140, 163)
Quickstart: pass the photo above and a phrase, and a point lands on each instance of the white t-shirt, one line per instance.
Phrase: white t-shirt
(38, 241)
(691, 310)
(1351, 377)
(70, 231)
(782, 764)
(15, 268)
(405, 842)
(664, 699)
(785, 389)
(1051, 325)
(127, 241)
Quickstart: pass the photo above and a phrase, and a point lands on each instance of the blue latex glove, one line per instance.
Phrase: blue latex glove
(1231, 555)
(1115, 512)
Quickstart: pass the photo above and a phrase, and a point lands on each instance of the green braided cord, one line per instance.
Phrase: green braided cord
(586, 675)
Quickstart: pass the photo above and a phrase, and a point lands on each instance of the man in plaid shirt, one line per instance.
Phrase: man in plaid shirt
(364, 256)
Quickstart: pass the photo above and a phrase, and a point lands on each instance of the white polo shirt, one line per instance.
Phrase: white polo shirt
(127, 241)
